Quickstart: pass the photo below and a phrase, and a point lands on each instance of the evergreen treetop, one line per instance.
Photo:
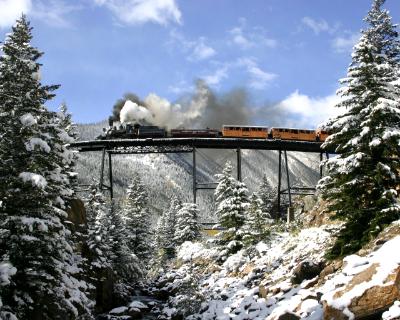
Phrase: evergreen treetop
(187, 227)
(167, 225)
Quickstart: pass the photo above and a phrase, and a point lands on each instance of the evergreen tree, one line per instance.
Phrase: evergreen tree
(136, 217)
(167, 225)
(126, 264)
(69, 134)
(361, 181)
(226, 184)
(232, 203)
(187, 227)
(34, 190)
(98, 239)
(268, 196)
(257, 221)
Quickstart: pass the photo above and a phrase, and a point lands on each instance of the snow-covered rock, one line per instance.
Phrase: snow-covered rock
(366, 286)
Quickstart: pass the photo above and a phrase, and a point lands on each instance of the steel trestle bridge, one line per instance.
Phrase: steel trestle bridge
(189, 145)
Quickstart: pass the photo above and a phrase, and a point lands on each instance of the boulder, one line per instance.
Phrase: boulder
(372, 302)
(135, 313)
(285, 316)
(330, 268)
(318, 215)
(306, 270)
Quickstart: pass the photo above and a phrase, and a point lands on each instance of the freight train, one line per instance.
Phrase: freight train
(137, 131)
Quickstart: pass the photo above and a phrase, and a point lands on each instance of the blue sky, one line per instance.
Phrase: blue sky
(289, 53)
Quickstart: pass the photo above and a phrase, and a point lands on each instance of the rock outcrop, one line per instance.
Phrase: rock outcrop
(371, 302)
(306, 270)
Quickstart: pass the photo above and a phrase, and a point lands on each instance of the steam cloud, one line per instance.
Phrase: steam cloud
(202, 109)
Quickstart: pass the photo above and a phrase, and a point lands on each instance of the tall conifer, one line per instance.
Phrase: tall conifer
(136, 216)
(34, 190)
(361, 181)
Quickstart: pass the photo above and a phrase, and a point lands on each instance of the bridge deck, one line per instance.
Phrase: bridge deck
(187, 144)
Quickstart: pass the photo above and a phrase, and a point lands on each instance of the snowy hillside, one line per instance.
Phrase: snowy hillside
(286, 277)
(167, 175)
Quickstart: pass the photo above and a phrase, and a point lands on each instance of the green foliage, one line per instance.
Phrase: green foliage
(35, 185)
(258, 222)
(166, 226)
(188, 227)
(136, 217)
(361, 181)
(232, 204)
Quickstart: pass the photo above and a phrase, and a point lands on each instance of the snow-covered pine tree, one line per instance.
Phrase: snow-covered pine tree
(257, 222)
(188, 227)
(226, 184)
(232, 204)
(167, 225)
(268, 195)
(125, 263)
(361, 181)
(64, 121)
(98, 239)
(136, 216)
(33, 191)
(108, 257)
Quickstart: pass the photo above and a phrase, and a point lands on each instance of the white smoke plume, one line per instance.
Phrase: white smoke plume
(160, 112)
(200, 110)
(132, 112)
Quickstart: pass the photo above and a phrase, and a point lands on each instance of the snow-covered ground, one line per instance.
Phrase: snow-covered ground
(258, 283)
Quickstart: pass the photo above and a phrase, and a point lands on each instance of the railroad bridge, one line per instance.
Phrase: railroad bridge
(110, 148)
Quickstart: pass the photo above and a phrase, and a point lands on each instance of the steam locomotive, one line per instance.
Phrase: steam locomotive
(137, 131)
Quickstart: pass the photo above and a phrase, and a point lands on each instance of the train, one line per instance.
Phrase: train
(137, 131)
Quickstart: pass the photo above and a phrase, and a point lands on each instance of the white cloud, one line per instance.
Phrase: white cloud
(143, 11)
(11, 10)
(318, 26)
(259, 79)
(53, 12)
(345, 44)
(201, 51)
(196, 50)
(181, 87)
(307, 111)
(247, 39)
(215, 78)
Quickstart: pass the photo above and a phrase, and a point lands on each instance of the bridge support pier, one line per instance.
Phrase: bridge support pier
(194, 174)
(288, 190)
(279, 181)
(288, 180)
(110, 174)
(102, 185)
(239, 164)
(103, 156)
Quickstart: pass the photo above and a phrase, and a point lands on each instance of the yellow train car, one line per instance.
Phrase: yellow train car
(293, 134)
(321, 135)
(244, 132)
